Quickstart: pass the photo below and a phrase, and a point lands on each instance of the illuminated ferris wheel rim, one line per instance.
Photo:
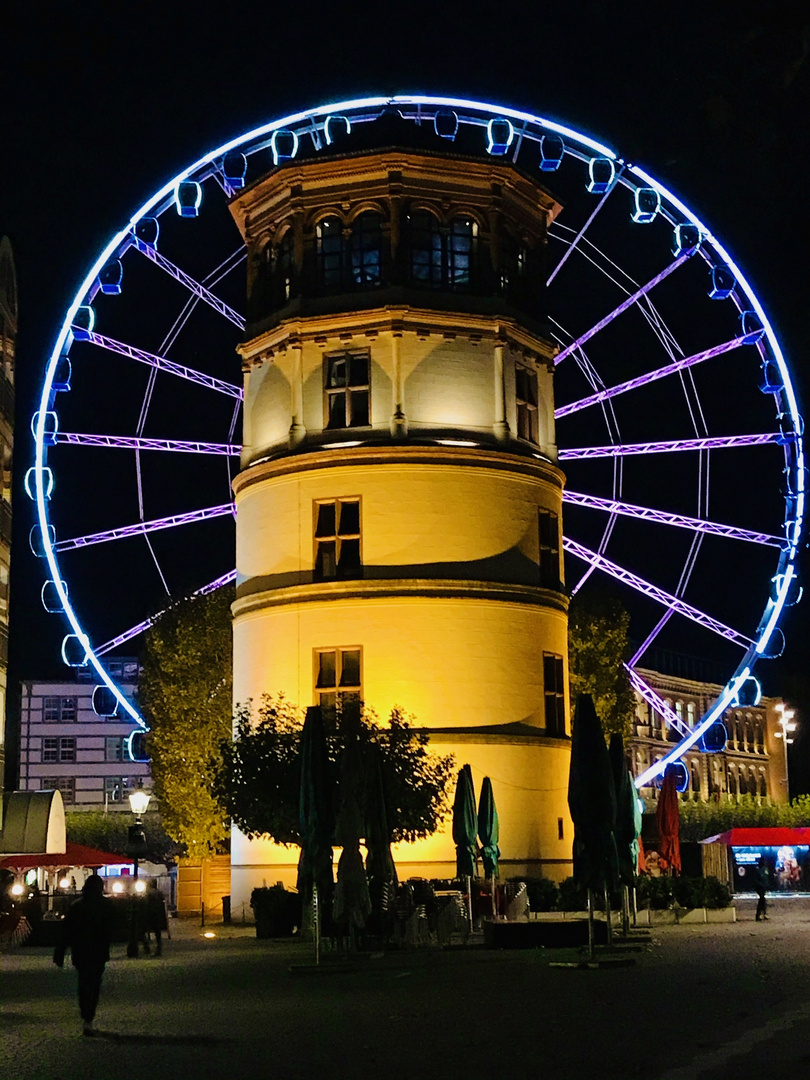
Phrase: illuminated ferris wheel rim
(532, 127)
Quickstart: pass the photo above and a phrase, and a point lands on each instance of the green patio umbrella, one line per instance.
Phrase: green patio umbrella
(465, 826)
(488, 829)
(592, 802)
(316, 820)
(628, 823)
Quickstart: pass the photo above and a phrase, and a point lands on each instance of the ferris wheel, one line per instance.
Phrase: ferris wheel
(677, 421)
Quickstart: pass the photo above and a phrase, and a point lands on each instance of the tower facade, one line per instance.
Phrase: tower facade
(398, 504)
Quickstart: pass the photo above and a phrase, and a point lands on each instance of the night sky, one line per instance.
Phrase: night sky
(102, 103)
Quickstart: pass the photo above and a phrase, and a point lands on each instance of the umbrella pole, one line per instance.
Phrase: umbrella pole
(469, 901)
(316, 923)
(608, 918)
(626, 910)
(635, 906)
(494, 905)
(590, 924)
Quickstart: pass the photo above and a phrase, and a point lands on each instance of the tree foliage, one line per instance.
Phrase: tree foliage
(110, 832)
(700, 820)
(598, 646)
(260, 779)
(186, 696)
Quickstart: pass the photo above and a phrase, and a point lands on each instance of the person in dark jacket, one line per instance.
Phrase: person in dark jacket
(156, 920)
(86, 931)
(761, 884)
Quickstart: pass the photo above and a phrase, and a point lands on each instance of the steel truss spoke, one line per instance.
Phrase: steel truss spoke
(625, 304)
(680, 607)
(646, 513)
(657, 702)
(719, 442)
(126, 442)
(162, 364)
(650, 376)
(573, 245)
(143, 527)
(133, 631)
(189, 282)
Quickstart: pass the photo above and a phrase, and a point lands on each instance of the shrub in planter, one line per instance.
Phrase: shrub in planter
(572, 898)
(716, 893)
(277, 912)
(653, 892)
(543, 894)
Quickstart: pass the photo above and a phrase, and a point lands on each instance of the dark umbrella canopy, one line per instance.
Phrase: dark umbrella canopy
(352, 903)
(316, 811)
(379, 862)
(669, 822)
(627, 812)
(592, 801)
(488, 830)
(465, 824)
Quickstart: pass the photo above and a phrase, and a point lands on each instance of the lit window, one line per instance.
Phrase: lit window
(366, 249)
(349, 258)
(442, 256)
(347, 390)
(337, 539)
(332, 251)
(526, 402)
(55, 709)
(50, 750)
(690, 713)
(549, 533)
(338, 677)
(116, 788)
(554, 691)
(113, 748)
(68, 709)
(679, 709)
(64, 784)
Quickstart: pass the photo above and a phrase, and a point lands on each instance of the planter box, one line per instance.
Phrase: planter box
(671, 916)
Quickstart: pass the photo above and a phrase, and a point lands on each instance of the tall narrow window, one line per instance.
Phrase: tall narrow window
(338, 677)
(68, 710)
(554, 690)
(460, 252)
(426, 250)
(64, 784)
(347, 390)
(442, 256)
(333, 252)
(113, 748)
(50, 710)
(549, 534)
(337, 539)
(366, 250)
(283, 267)
(526, 401)
(116, 788)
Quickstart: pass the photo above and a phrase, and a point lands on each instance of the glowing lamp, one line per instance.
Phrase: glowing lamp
(16, 889)
(64, 883)
(209, 934)
(140, 886)
(138, 801)
(117, 888)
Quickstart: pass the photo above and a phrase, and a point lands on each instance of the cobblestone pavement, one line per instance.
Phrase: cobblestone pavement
(701, 1003)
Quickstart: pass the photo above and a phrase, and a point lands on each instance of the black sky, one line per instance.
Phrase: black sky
(101, 103)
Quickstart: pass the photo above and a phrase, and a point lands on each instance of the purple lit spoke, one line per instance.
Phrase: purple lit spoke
(193, 286)
(162, 364)
(143, 527)
(661, 517)
(572, 246)
(125, 442)
(719, 442)
(133, 631)
(657, 702)
(650, 376)
(625, 304)
(680, 607)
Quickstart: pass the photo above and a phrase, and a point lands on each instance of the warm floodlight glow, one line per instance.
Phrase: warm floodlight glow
(209, 934)
(456, 442)
(138, 801)
(64, 883)
(140, 886)
(117, 887)
(16, 889)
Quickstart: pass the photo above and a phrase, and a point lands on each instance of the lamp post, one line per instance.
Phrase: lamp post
(138, 802)
(788, 727)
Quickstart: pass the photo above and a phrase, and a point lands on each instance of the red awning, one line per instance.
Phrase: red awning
(74, 855)
(774, 837)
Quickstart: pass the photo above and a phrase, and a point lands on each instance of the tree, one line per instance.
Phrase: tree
(700, 820)
(186, 694)
(598, 647)
(260, 779)
(110, 832)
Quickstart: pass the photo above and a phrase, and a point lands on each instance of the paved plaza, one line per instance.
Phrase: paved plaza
(701, 1001)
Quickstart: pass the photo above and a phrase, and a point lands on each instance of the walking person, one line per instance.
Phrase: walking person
(760, 888)
(157, 922)
(86, 931)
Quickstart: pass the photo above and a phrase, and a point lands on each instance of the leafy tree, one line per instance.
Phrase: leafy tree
(260, 780)
(185, 694)
(110, 832)
(598, 646)
(700, 820)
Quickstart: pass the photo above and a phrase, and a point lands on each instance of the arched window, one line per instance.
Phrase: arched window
(366, 250)
(350, 258)
(760, 738)
(441, 257)
(763, 784)
(679, 709)
(690, 713)
(283, 268)
(333, 251)
(732, 781)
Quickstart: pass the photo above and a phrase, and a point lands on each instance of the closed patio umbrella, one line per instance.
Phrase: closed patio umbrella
(352, 903)
(380, 868)
(628, 823)
(316, 819)
(465, 826)
(488, 832)
(668, 816)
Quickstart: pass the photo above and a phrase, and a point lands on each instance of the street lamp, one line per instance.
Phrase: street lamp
(138, 802)
(788, 727)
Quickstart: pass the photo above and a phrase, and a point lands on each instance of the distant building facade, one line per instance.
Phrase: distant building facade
(66, 745)
(751, 763)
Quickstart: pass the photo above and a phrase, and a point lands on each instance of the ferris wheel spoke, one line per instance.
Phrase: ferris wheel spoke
(193, 286)
(143, 527)
(657, 702)
(139, 628)
(160, 363)
(719, 442)
(573, 245)
(650, 376)
(674, 603)
(680, 521)
(625, 304)
(128, 442)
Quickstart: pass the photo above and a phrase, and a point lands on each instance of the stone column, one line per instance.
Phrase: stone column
(500, 426)
(399, 422)
(297, 429)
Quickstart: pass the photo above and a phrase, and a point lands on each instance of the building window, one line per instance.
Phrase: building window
(337, 539)
(50, 710)
(116, 788)
(56, 709)
(113, 748)
(690, 713)
(347, 390)
(64, 784)
(763, 784)
(526, 401)
(348, 258)
(554, 690)
(68, 710)
(549, 534)
(332, 252)
(338, 677)
(679, 710)
(442, 256)
(366, 250)
(54, 749)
